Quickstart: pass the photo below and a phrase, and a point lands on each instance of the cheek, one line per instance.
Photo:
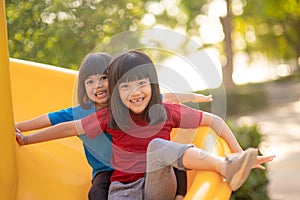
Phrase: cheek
(105, 84)
(123, 97)
(88, 89)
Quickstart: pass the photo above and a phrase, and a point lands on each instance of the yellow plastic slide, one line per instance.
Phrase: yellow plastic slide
(49, 170)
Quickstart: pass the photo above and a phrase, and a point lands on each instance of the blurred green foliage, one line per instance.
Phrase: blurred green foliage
(61, 33)
(273, 25)
(256, 185)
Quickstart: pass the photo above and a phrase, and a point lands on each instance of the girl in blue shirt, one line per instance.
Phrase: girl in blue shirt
(92, 95)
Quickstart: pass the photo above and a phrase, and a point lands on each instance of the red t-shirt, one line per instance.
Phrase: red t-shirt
(129, 148)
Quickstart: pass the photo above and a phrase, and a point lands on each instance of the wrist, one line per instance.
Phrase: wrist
(25, 140)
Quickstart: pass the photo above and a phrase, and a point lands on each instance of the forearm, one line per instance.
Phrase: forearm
(178, 98)
(227, 135)
(34, 124)
(186, 97)
(62, 130)
(222, 130)
(170, 98)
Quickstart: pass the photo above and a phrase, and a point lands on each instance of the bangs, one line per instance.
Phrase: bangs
(137, 73)
(134, 68)
(94, 67)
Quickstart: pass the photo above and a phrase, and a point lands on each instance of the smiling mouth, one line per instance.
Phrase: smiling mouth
(100, 94)
(136, 100)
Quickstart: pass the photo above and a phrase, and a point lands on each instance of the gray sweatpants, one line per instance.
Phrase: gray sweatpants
(162, 156)
(160, 181)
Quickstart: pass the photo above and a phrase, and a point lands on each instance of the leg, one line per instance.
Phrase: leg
(100, 186)
(181, 183)
(126, 191)
(162, 156)
(197, 159)
(235, 168)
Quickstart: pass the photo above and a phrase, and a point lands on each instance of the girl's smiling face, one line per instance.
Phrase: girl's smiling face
(96, 87)
(135, 95)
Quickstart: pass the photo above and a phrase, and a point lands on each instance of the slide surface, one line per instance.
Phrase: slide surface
(58, 169)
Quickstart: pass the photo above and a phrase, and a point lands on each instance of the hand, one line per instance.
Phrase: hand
(261, 160)
(202, 98)
(21, 139)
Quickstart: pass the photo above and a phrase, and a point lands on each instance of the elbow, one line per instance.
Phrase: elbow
(217, 124)
(213, 121)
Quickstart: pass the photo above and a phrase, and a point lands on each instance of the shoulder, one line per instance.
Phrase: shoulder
(170, 107)
(179, 109)
(172, 110)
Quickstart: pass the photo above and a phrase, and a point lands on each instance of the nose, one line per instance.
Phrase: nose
(136, 91)
(99, 84)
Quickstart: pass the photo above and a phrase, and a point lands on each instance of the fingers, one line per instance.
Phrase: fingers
(203, 98)
(208, 98)
(261, 160)
(17, 130)
(260, 167)
(265, 159)
(19, 137)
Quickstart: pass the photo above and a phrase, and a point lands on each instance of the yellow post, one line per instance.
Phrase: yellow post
(8, 166)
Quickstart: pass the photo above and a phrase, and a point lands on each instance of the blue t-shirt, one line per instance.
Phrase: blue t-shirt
(97, 150)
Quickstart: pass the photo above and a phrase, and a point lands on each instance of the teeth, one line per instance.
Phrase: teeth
(99, 93)
(136, 100)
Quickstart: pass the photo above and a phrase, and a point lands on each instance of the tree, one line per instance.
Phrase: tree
(61, 33)
(271, 27)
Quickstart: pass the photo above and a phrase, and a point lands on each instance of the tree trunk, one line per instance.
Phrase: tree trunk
(228, 67)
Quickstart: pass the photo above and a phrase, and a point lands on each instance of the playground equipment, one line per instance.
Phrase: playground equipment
(58, 169)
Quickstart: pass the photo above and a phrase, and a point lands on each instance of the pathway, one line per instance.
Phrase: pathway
(281, 125)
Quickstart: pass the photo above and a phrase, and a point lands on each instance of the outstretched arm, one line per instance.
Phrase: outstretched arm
(183, 98)
(34, 124)
(63, 130)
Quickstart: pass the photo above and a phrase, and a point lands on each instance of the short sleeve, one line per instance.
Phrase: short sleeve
(69, 114)
(184, 116)
(93, 124)
(64, 115)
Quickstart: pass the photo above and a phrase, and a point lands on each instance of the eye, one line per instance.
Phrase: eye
(143, 82)
(102, 78)
(89, 82)
(123, 86)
